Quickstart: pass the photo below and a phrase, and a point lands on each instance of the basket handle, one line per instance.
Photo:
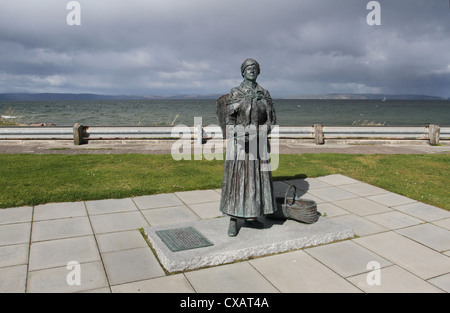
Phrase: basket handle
(287, 191)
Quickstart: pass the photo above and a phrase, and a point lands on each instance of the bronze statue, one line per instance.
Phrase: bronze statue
(247, 115)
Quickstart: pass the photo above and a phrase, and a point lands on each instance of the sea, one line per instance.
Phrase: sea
(172, 112)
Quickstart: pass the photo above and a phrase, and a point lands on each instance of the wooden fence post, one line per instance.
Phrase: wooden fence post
(318, 134)
(434, 132)
(80, 134)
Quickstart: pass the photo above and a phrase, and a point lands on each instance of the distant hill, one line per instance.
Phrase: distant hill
(60, 97)
(89, 96)
(210, 96)
(366, 97)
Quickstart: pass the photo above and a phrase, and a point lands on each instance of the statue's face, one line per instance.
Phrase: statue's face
(251, 72)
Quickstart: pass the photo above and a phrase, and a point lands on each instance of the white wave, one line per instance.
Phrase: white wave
(10, 116)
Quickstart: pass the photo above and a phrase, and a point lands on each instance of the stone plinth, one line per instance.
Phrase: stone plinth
(277, 236)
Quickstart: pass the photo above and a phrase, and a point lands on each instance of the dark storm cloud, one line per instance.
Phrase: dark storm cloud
(196, 46)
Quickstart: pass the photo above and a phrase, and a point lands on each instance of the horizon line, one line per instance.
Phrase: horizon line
(187, 95)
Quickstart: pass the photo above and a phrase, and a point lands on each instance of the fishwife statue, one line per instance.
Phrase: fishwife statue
(246, 116)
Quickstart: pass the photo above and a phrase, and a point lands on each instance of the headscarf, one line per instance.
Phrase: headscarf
(249, 62)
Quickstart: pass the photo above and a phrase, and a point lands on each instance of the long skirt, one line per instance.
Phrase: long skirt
(247, 187)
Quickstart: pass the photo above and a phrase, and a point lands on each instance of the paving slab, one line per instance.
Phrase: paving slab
(231, 278)
(408, 254)
(54, 280)
(120, 241)
(168, 284)
(346, 258)
(394, 220)
(337, 179)
(13, 279)
(394, 279)
(56, 253)
(277, 236)
(312, 197)
(11, 234)
(14, 255)
(445, 223)
(198, 196)
(110, 206)
(442, 282)
(423, 211)
(429, 235)
(108, 223)
(391, 199)
(360, 225)
(307, 183)
(170, 215)
(61, 228)
(131, 265)
(300, 273)
(362, 206)
(157, 201)
(98, 290)
(362, 189)
(59, 210)
(206, 210)
(16, 215)
(330, 210)
(331, 194)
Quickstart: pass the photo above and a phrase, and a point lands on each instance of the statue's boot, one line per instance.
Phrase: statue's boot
(254, 223)
(232, 228)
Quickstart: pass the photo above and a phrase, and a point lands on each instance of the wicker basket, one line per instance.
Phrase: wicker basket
(302, 210)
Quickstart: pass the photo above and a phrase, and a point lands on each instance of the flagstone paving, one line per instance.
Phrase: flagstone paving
(402, 245)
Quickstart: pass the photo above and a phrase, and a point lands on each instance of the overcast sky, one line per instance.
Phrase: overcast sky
(171, 47)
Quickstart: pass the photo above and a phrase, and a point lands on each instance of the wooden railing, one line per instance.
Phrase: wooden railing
(318, 133)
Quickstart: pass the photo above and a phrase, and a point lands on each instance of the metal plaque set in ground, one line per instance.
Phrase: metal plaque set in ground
(205, 243)
(179, 239)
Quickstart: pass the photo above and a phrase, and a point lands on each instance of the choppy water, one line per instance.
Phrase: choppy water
(175, 112)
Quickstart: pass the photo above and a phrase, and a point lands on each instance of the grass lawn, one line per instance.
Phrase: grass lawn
(29, 179)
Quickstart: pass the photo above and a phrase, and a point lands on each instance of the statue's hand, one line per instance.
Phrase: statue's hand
(232, 107)
(248, 99)
(259, 95)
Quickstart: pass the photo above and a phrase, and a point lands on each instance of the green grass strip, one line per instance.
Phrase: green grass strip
(31, 179)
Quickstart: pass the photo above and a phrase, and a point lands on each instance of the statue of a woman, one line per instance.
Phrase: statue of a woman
(247, 188)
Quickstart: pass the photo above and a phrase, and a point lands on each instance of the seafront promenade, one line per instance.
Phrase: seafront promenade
(164, 147)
